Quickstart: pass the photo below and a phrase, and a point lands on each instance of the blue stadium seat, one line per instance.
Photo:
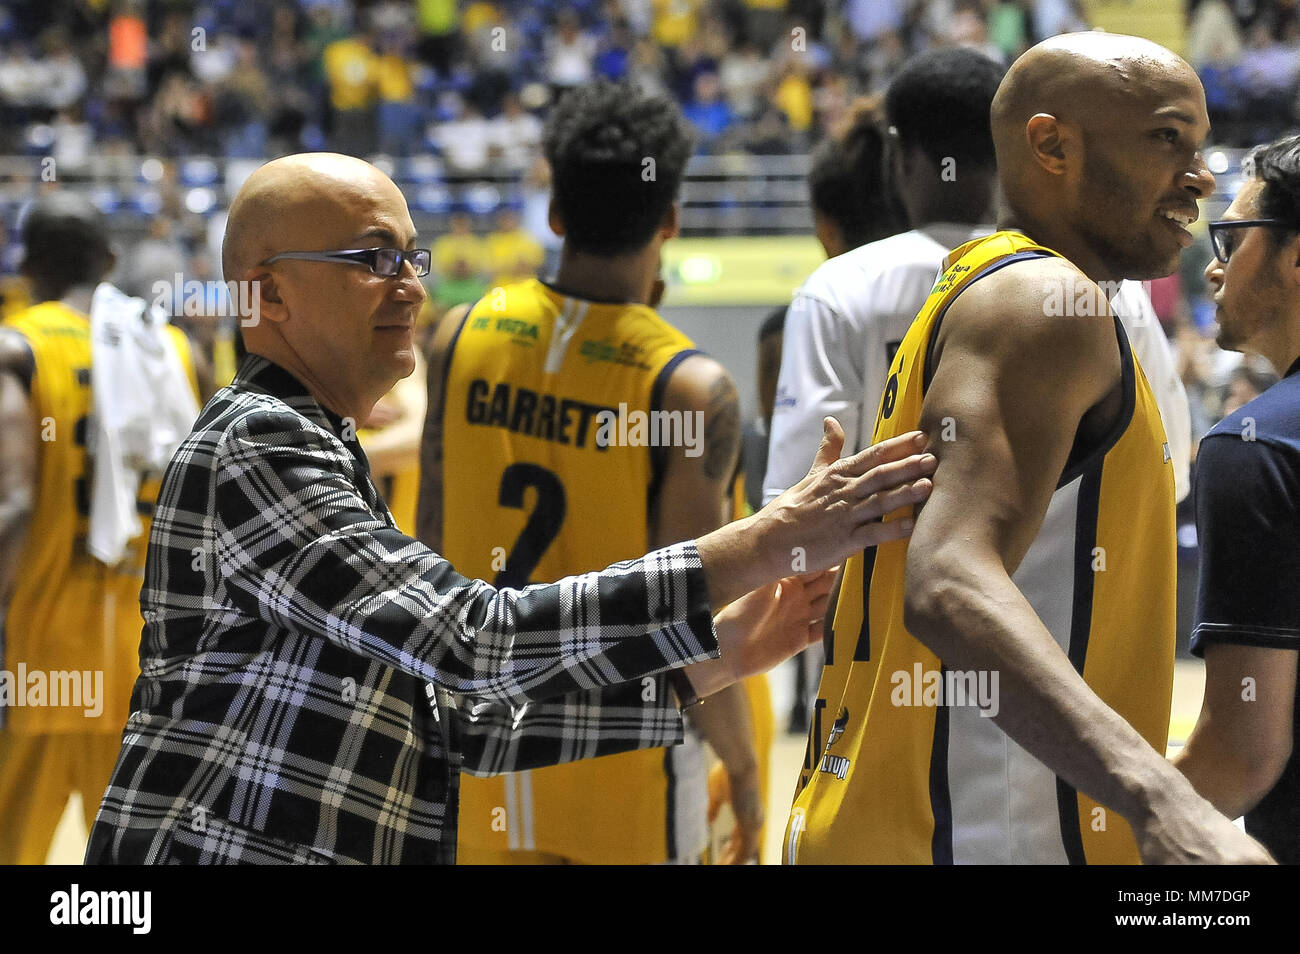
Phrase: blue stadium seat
(146, 202)
(424, 170)
(482, 199)
(199, 172)
(106, 199)
(433, 199)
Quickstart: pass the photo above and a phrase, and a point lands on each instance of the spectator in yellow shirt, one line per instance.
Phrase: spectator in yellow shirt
(513, 253)
(350, 71)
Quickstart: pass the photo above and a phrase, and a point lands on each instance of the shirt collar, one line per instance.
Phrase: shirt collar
(1295, 366)
(257, 373)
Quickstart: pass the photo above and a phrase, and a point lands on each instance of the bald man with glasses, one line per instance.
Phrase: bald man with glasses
(313, 680)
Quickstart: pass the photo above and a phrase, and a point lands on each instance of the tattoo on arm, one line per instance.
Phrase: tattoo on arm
(722, 429)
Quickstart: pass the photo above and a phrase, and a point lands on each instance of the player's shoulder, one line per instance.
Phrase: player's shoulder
(16, 355)
(698, 381)
(1271, 418)
(853, 279)
(1030, 308)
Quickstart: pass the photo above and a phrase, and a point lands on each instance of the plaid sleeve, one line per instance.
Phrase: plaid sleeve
(496, 738)
(300, 548)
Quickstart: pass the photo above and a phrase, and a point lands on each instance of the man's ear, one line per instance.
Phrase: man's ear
(1291, 254)
(1048, 137)
(265, 291)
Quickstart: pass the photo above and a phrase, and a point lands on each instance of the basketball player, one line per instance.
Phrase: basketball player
(846, 321)
(1241, 755)
(61, 609)
(998, 689)
(560, 499)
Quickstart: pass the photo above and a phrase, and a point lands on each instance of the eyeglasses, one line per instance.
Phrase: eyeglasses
(382, 261)
(1221, 238)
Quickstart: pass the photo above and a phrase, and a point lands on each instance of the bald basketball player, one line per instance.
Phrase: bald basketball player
(305, 666)
(998, 687)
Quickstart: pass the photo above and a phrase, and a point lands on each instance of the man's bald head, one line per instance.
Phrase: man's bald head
(343, 329)
(1079, 78)
(1098, 141)
(300, 202)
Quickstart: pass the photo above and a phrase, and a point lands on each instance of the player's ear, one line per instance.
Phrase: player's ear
(670, 227)
(1046, 137)
(553, 219)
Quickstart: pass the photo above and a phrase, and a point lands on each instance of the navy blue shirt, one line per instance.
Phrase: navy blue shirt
(1248, 525)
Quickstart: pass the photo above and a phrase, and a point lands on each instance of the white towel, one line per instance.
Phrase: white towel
(143, 409)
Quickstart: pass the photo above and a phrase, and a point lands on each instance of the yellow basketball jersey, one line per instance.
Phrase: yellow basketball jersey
(69, 612)
(547, 472)
(908, 767)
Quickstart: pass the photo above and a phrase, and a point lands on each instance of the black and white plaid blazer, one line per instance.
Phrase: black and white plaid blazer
(313, 680)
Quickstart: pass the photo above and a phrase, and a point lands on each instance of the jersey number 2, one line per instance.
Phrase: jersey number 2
(543, 523)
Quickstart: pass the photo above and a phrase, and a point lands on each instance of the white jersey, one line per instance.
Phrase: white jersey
(841, 331)
(1133, 306)
(848, 318)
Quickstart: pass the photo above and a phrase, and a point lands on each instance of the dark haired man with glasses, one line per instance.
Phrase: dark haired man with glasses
(305, 665)
(1241, 755)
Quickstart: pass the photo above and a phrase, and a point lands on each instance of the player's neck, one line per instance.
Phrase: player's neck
(77, 298)
(1065, 242)
(626, 278)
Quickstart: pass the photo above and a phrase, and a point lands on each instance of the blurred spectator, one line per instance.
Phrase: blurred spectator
(569, 52)
(868, 19)
(708, 112)
(158, 257)
(1057, 16)
(60, 80)
(537, 212)
(883, 61)
(513, 255)
(1213, 37)
(350, 71)
(176, 122)
(242, 105)
(743, 73)
(769, 135)
(968, 28)
(674, 21)
(1248, 381)
(394, 72)
(1008, 28)
(215, 59)
(615, 52)
(465, 142)
(439, 34)
(128, 46)
(74, 140)
(459, 253)
(793, 96)
(764, 21)
(515, 136)
(648, 67)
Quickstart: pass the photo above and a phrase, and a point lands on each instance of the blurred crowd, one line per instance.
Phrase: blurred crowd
(470, 82)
